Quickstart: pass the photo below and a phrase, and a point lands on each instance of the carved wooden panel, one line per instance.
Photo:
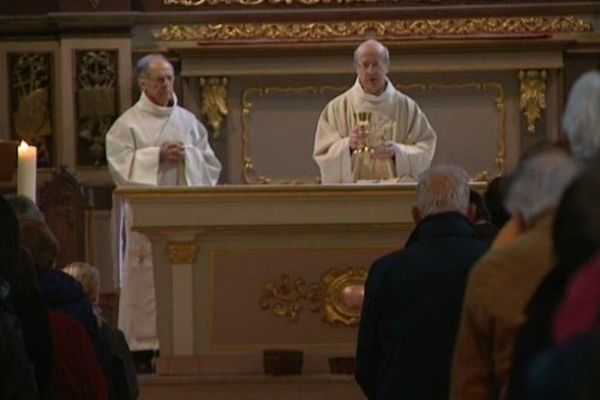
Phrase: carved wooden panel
(96, 102)
(65, 207)
(31, 106)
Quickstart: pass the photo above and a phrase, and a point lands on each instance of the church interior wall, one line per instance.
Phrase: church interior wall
(457, 82)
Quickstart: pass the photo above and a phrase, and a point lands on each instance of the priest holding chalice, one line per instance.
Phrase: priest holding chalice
(372, 132)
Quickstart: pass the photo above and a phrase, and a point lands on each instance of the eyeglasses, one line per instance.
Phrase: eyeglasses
(161, 79)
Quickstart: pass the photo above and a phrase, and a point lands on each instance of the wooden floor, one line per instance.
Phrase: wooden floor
(250, 387)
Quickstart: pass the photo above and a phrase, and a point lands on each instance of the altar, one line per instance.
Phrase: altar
(241, 269)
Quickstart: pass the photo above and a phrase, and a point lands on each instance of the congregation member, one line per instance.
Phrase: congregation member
(581, 126)
(560, 369)
(413, 296)
(503, 281)
(81, 360)
(28, 302)
(17, 368)
(154, 143)
(396, 140)
(124, 378)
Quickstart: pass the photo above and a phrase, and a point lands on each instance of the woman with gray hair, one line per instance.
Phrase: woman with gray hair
(581, 120)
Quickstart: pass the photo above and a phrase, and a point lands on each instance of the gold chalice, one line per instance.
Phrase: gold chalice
(363, 121)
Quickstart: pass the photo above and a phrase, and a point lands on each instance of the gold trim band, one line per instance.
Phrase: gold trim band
(308, 31)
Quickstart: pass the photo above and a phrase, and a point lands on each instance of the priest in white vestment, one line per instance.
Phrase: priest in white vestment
(372, 131)
(154, 143)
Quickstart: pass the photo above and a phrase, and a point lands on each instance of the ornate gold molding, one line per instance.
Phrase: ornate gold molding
(533, 96)
(340, 294)
(307, 31)
(250, 176)
(344, 295)
(203, 3)
(285, 299)
(182, 252)
(248, 172)
(214, 102)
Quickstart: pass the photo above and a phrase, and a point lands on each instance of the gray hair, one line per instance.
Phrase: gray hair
(581, 120)
(143, 64)
(383, 51)
(443, 188)
(538, 184)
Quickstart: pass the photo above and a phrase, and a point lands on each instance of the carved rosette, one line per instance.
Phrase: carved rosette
(31, 102)
(533, 96)
(344, 295)
(182, 252)
(97, 99)
(214, 102)
(286, 299)
(307, 31)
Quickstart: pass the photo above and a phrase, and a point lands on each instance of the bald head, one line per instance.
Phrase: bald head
(371, 61)
(374, 47)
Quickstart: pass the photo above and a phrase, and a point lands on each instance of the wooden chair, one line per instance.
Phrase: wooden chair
(8, 160)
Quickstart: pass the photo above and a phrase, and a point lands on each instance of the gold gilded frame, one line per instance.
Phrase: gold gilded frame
(335, 282)
(390, 29)
(251, 177)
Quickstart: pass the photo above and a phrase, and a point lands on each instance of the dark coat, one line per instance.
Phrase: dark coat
(411, 311)
(63, 293)
(17, 379)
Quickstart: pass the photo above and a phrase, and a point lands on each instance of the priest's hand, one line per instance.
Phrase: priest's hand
(172, 151)
(383, 152)
(357, 137)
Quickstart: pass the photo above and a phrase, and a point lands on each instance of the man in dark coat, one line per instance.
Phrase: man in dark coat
(413, 297)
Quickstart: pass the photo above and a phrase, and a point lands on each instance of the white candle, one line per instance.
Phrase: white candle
(26, 170)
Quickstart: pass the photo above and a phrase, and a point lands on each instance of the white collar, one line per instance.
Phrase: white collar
(149, 106)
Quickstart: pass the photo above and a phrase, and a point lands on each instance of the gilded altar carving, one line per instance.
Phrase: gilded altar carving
(250, 175)
(30, 92)
(204, 3)
(339, 294)
(308, 31)
(344, 295)
(214, 102)
(533, 96)
(286, 299)
(97, 79)
(182, 252)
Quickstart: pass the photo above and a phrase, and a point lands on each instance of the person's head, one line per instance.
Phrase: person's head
(538, 184)
(41, 244)
(581, 120)
(9, 245)
(480, 211)
(88, 276)
(576, 230)
(155, 77)
(24, 207)
(372, 61)
(442, 188)
(494, 201)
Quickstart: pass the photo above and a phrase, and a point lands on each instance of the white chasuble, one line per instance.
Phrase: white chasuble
(132, 150)
(395, 118)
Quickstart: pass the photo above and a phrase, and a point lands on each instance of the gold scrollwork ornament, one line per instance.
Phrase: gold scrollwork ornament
(214, 102)
(287, 300)
(182, 252)
(533, 96)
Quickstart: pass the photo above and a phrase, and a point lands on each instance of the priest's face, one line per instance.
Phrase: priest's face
(158, 83)
(371, 62)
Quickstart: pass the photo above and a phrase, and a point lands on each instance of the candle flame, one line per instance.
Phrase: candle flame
(23, 145)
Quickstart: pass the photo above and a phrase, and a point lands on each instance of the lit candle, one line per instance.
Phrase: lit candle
(26, 170)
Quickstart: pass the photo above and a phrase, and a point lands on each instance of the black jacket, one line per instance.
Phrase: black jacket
(411, 311)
